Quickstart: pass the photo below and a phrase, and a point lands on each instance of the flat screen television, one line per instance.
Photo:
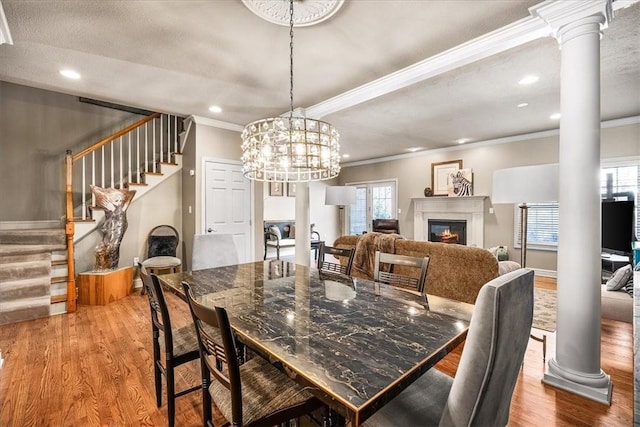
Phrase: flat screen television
(617, 227)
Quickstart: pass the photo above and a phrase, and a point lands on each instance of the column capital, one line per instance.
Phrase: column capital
(559, 14)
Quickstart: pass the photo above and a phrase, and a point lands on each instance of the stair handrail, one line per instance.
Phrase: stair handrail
(114, 136)
(69, 221)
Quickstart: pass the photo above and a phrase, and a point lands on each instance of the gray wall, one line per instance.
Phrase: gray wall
(414, 174)
(36, 128)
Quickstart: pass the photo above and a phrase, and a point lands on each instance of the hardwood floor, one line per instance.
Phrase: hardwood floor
(94, 368)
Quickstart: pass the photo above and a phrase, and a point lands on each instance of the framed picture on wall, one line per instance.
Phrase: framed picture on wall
(276, 188)
(291, 189)
(440, 173)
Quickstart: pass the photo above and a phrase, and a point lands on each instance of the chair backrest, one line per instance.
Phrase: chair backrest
(333, 267)
(157, 303)
(493, 352)
(387, 226)
(162, 240)
(213, 352)
(389, 276)
(213, 250)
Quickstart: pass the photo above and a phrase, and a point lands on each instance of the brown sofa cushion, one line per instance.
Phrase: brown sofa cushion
(455, 271)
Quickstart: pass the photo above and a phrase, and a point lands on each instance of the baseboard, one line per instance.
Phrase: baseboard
(545, 273)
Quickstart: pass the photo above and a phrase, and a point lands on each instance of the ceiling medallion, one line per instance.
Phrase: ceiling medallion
(306, 12)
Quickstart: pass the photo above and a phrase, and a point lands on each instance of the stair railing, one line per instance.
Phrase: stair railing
(115, 161)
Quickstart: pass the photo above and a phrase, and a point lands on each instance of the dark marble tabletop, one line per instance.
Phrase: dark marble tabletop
(355, 348)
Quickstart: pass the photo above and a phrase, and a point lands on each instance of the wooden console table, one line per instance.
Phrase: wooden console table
(101, 288)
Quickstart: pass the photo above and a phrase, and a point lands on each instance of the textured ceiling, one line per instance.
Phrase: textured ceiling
(182, 56)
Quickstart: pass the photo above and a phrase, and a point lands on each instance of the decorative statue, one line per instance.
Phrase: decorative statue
(115, 203)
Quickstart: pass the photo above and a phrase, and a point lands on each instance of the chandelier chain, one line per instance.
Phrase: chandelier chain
(290, 60)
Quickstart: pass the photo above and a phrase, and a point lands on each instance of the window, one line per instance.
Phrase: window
(374, 200)
(542, 220)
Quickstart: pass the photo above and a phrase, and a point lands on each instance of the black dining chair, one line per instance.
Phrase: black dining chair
(180, 345)
(481, 392)
(335, 267)
(401, 271)
(255, 393)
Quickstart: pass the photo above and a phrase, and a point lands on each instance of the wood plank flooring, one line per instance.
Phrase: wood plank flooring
(94, 368)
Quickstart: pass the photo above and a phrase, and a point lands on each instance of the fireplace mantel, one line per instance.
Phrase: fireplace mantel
(470, 208)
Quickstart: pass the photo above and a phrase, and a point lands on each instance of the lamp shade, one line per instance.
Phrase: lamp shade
(526, 184)
(340, 195)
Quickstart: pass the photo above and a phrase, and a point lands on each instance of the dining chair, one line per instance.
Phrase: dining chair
(180, 345)
(400, 271)
(480, 393)
(213, 250)
(254, 393)
(162, 245)
(335, 267)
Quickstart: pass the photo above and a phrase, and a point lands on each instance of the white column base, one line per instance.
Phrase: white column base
(595, 387)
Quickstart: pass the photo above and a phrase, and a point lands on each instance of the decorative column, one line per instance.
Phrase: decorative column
(303, 224)
(576, 366)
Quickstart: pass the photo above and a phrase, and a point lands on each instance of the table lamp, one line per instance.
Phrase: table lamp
(341, 196)
(525, 184)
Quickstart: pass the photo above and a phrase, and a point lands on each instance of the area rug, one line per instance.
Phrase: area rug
(544, 309)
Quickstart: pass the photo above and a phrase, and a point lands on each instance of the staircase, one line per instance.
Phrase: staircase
(37, 272)
(30, 260)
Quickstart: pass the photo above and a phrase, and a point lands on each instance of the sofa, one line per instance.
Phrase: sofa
(282, 234)
(455, 271)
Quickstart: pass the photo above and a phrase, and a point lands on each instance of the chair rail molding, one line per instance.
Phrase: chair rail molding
(470, 208)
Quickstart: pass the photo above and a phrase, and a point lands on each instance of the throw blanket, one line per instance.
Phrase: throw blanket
(366, 247)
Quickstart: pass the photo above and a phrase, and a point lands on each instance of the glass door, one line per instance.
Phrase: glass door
(374, 200)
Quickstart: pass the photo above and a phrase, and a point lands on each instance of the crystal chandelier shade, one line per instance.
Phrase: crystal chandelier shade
(290, 149)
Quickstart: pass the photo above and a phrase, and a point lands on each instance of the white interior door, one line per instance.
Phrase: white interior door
(228, 204)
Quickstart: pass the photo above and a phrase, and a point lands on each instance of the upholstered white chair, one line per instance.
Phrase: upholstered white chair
(481, 392)
(213, 250)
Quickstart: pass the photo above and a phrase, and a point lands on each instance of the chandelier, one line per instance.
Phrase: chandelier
(290, 149)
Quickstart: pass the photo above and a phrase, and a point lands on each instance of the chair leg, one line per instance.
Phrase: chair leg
(171, 394)
(207, 416)
(157, 370)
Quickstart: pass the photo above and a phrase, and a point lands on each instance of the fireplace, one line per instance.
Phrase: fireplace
(448, 231)
(470, 209)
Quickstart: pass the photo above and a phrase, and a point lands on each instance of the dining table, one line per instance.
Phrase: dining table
(356, 344)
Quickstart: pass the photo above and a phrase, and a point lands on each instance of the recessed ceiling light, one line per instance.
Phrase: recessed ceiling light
(215, 109)
(523, 104)
(462, 140)
(413, 149)
(346, 156)
(555, 116)
(70, 74)
(527, 80)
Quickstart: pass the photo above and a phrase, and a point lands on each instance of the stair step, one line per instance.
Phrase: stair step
(59, 262)
(135, 184)
(55, 299)
(59, 279)
(168, 163)
(38, 236)
(9, 251)
(154, 173)
(79, 219)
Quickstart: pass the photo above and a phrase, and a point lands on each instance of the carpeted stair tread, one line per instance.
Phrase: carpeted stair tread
(7, 250)
(38, 236)
(25, 269)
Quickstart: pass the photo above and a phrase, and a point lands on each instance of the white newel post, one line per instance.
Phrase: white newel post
(303, 224)
(576, 366)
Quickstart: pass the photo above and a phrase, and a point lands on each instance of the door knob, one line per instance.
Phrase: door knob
(209, 230)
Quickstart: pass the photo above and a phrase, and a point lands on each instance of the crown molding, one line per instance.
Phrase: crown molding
(500, 40)
(516, 34)
(199, 120)
(506, 140)
(5, 34)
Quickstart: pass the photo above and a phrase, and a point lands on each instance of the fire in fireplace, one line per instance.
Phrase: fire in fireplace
(448, 231)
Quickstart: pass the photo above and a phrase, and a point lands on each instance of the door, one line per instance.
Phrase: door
(228, 204)
(374, 200)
